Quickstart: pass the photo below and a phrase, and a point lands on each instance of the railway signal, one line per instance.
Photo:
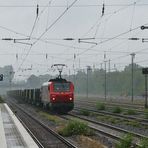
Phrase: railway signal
(145, 72)
(144, 27)
(1, 77)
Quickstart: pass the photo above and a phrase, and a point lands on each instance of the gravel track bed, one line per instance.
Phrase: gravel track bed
(141, 130)
(139, 113)
(46, 138)
(74, 139)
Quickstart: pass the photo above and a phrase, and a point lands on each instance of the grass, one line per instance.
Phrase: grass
(117, 121)
(117, 110)
(146, 113)
(100, 106)
(133, 123)
(131, 112)
(75, 127)
(102, 118)
(125, 142)
(84, 112)
(52, 118)
(89, 142)
(108, 119)
(113, 120)
(144, 143)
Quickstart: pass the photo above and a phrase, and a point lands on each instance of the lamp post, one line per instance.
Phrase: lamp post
(10, 80)
(133, 56)
(145, 72)
(105, 90)
(88, 68)
(146, 106)
(105, 77)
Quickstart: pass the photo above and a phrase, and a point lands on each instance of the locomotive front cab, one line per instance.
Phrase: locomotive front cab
(62, 92)
(62, 95)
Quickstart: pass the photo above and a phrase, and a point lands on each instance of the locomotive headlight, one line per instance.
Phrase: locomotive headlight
(53, 99)
(70, 99)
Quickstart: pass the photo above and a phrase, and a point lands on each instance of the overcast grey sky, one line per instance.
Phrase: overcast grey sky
(82, 20)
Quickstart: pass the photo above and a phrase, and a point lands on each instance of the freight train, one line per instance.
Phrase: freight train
(56, 94)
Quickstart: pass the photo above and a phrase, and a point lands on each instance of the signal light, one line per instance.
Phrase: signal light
(1, 77)
(145, 70)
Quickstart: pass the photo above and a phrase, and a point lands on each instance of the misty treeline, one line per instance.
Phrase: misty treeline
(117, 82)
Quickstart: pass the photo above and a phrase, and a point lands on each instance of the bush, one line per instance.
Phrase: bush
(133, 123)
(100, 106)
(126, 142)
(146, 113)
(84, 112)
(144, 143)
(113, 120)
(75, 127)
(117, 110)
(131, 112)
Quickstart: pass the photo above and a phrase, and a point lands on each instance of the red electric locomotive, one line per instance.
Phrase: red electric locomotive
(58, 94)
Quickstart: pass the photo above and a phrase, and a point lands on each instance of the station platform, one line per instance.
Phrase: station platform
(12, 132)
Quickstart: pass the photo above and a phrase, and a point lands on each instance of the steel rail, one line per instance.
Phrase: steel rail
(141, 120)
(110, 106)
(107, 134)
(109, 126)
(62, 139)
(126, 104)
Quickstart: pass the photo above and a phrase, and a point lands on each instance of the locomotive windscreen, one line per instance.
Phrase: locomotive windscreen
(64, 87)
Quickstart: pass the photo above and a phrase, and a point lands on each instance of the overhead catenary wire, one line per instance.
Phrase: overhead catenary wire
(49, 4)
(75, 6)
(38, 15)
(80, 47)
(70, 47)
(132, 16)
(99, 19)
(60, 16)
(107, 40)
(113, 37)
(103, 10)
(137, 51)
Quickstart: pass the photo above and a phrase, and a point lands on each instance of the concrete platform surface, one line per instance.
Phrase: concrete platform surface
(12, 132)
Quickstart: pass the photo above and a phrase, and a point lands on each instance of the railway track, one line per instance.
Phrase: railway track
(102, 136)
(108, 106)
(136, 103)
(110, 103)
(41, 132)
(129, 118)
(108, 130)
(104, 129)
